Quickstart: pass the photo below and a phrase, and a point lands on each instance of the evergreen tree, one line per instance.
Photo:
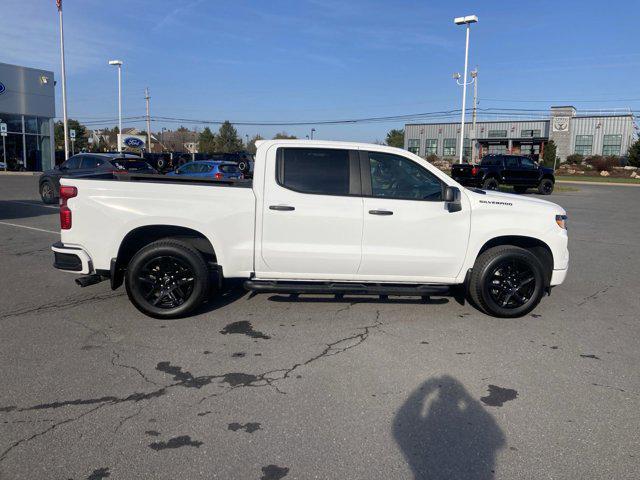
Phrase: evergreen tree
(227, 139)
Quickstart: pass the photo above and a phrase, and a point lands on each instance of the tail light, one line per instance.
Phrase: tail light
(218, 176)
(66, 192)
(474, 171)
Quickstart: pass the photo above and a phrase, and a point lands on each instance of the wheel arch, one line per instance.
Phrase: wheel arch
(142, 236)
(537, 247)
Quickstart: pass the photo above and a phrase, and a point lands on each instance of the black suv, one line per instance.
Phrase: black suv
(494, 170)
(89, 165)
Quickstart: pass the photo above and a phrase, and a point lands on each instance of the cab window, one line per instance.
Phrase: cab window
(526, 162)
(314, 170)
(393, 176)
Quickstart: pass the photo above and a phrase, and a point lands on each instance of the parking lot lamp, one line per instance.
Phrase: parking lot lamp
(118, 63)
(468, 20)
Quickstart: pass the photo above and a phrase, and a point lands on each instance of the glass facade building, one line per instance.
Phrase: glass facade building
(27, 107)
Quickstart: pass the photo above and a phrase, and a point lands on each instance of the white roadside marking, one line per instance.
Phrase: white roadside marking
(34, 204)
(29, 228)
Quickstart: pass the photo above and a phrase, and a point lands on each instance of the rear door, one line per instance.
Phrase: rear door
(528, 171)
(511, 172)
(311, 214)
(409, 234)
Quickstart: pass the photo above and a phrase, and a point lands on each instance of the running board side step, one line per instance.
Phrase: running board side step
(264, 286)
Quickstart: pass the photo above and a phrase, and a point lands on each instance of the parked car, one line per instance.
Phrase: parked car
(494, 170)
(89, 165)
(319, 217)
(209, 169)
(244, 160)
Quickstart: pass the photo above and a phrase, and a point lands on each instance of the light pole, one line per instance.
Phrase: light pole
(472, 140)
(118, 63)
(312, 131)
(468, 20)
(63, 72)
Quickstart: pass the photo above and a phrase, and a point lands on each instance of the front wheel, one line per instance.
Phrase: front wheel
(545, 187)
(490, 184)
(507, 281)
(167, 279)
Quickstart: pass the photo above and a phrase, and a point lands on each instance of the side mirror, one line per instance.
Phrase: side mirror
(452, 198)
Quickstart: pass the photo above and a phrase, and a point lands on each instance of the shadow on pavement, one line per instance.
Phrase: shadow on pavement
(13, 210)
(444, 433)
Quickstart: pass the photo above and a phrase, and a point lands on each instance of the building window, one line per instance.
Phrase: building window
(584, 144)
(497, 134)
(413, 145)
(529, 133)
(466, 152)
(497, 149)
(611, 144)
(431, 147)
(449, 147)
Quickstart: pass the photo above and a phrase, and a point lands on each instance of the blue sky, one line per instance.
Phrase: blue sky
(326, 59)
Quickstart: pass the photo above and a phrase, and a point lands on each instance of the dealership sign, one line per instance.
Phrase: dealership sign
(2, 88)
(133, 141)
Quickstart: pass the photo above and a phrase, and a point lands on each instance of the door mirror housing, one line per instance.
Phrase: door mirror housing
(452, 198)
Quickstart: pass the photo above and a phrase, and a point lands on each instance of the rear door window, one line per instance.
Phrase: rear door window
(510, 162)
(91, 162)
(527, 163)
(228, 168)
(314, 170)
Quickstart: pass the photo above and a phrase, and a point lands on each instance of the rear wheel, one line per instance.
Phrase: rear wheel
(47, 192)
(519, 189)
(545, 187)
(490, 184)
(507, 281)
(167, 279)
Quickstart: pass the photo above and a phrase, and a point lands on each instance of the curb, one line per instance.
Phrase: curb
(606, 184)
(19, 174)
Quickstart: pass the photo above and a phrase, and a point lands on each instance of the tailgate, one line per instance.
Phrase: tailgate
(461, 170)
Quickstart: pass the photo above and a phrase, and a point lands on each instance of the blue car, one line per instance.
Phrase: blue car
(215, 169)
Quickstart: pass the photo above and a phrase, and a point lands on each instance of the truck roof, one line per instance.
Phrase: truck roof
(329, 144)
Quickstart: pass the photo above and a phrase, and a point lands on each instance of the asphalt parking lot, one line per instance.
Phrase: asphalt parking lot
(274, 386)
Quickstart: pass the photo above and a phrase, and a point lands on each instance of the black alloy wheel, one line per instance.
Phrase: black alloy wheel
(490, 184)
(545, 187)
(512, 283)
(166, 282)
(167, 279)
(507, 281)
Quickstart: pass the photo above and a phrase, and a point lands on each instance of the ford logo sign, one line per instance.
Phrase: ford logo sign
(2, 88)
(133, 142)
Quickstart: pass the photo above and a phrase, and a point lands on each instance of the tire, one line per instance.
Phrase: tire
(520, 189)
(151, 272)
(242, 166)
(545, 187)
(490, 184)
(520, 277)
(48, 192)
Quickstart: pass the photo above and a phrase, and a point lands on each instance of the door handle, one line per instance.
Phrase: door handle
(283, 208)
(380, 212)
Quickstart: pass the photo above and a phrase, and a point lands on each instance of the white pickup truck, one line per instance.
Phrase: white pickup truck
(318, 217)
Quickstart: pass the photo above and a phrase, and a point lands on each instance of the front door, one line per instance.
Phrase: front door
(311, 215)
(409, 234)
(511, 173)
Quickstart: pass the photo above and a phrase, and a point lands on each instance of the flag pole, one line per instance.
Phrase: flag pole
(64, 83)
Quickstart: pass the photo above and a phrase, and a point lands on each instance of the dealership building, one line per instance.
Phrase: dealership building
(27, 107)
(572, 132)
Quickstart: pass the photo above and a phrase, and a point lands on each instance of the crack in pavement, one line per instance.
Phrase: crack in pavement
(595, 295)
(116, 356)
(58, 305)
(187, 380)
